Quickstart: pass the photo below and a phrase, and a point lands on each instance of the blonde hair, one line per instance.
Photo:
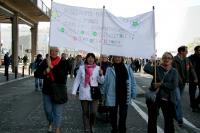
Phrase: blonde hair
(167, 53)
(53, 48)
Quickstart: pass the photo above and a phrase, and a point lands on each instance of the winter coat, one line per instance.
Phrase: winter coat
(79, 82)
(109, 86)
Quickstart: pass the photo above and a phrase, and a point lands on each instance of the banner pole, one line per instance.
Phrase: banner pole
(50, 29)
(155, 52)
(102, 32)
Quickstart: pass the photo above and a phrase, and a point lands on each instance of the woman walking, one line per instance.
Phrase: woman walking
(55, 72)
(165, 85)
(119, 87)
(88, 76)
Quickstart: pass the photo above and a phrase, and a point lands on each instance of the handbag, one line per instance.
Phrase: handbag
(95, 92)
(59, 93)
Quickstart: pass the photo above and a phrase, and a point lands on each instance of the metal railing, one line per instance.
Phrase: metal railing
(40, 4)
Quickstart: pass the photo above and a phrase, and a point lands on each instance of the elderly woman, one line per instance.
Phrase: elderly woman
(119, 87)
(88, 76)
(165, 85)
(54, 71)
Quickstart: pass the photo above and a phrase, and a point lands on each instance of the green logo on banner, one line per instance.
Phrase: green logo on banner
(54, 14)
(62, 29)
(135, 23)
(94, 33)
(82, 32)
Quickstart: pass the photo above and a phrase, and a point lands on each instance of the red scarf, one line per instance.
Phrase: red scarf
(88, 72)
(54, 62)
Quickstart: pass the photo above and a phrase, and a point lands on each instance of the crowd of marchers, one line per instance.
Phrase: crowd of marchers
(110, 82)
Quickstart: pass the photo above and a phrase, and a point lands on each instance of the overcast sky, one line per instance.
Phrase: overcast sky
(177, 21)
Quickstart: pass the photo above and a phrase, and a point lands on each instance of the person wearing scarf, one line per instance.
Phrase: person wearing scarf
(166, 86)
(53, 111)
(88, 75)
(119, 87)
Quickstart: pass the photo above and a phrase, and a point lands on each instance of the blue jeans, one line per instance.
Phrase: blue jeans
(53, 112)
(38, 83)
(179, 112)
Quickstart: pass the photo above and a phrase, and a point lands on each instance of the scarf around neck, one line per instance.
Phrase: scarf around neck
(53, 63)
(167, 68)
(88, 72)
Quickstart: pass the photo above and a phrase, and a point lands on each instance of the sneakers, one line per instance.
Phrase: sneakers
(50, 129)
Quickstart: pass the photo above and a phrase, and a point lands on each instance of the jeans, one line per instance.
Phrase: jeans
(179, 112)
(89, 109)
(121, 125)
(38, 83)
(53, 112)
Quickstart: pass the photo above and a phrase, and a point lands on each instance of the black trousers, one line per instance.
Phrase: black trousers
(168, 110)
(119, 125)
(6, 70)
(192, 90)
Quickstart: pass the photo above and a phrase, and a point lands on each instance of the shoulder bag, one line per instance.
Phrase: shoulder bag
(59, 93)
(95, 92)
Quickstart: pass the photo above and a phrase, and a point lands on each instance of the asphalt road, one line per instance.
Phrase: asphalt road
(21, 111)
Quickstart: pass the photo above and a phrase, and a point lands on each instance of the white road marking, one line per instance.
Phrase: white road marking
(186, 122)
(190, 124)
(144, 115)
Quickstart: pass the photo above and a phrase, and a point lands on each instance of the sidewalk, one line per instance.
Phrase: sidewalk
(11, 77)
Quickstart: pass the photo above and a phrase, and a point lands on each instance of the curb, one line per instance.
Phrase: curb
(13, 80)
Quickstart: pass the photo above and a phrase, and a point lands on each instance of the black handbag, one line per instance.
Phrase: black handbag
(95, 92)
(59, 93)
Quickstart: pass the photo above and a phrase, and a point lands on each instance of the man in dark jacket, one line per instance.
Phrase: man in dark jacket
(183, 66)
(195, 60)
(38, 74)
(6, 63)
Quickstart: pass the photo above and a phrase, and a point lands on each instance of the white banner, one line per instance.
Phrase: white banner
(81, 28)
(133, 37)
